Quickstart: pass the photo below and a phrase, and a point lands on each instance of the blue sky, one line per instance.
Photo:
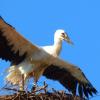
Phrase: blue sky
(37, 20)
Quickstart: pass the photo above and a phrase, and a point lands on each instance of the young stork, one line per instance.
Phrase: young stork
(32, 61)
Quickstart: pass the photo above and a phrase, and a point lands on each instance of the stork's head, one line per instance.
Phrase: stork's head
(62, 35)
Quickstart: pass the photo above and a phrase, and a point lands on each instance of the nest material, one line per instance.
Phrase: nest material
(39, 93)
(40, 96)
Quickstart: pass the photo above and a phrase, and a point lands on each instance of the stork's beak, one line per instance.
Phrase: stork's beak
(68, 40)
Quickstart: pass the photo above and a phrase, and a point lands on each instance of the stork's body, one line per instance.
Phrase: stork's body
(28, 69)
(33, 61)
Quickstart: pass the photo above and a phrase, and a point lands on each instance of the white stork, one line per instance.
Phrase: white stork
(33, 61)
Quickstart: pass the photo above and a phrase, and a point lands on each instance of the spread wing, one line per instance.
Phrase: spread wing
(70, 76)
(13, 47)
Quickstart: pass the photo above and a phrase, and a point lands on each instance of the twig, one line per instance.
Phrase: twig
(13, 89)
(41, 88)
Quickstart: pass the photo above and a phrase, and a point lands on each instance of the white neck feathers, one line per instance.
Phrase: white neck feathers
(57, 46)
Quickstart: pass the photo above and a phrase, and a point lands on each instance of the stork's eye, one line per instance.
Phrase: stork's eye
(63, 34)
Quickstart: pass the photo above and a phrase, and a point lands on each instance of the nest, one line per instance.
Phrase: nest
(38, 93)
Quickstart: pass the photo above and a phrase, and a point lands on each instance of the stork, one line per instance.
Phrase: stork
(34, 61)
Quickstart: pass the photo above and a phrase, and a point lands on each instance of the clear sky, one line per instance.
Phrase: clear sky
(37, 20)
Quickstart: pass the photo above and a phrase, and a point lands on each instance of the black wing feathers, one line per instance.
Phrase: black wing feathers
(69, 82)
(6, 51)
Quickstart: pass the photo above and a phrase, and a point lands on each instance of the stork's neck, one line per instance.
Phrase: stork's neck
(57, 46)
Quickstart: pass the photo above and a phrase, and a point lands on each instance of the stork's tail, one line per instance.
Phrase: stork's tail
(14, 75)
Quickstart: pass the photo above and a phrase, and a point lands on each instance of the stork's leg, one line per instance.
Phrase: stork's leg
(34, 87)
(36, 75)
(21, 86)
(23, 82)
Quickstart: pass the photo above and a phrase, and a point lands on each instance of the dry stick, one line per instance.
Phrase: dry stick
(4, 86)
(42, 88)
(15, 97)
(13, 89)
